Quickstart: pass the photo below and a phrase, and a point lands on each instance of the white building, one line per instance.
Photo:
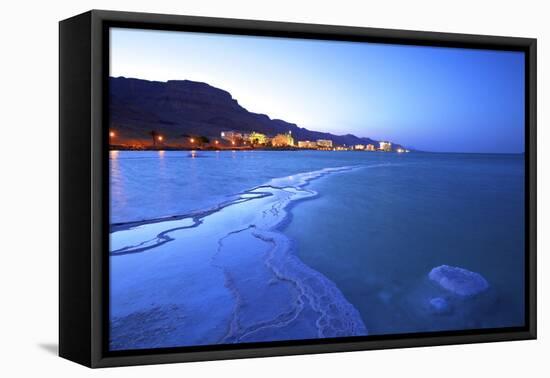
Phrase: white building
(231, 136)
(324, 143)
(385, 146)
(307, 144)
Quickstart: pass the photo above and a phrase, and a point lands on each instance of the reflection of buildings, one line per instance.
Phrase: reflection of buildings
(371, 147)
(307, 144)
(282, 140)
(385, 146)
(324, 143)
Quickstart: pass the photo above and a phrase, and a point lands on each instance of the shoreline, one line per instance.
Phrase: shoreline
(411, 151)
(244, 148)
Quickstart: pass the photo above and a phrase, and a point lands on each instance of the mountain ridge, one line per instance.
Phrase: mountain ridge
(178, 108)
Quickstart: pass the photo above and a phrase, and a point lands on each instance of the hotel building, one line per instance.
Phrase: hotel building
(324, 143)
(385, 146)
(282, 140)
(307, 144)
(231, 136)
(257, 138)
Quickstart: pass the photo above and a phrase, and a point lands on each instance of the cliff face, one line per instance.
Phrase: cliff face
(181, 107)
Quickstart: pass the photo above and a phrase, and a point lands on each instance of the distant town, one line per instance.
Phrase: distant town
(236, 140)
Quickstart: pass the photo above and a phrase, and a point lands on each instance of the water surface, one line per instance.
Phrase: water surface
(373, 231)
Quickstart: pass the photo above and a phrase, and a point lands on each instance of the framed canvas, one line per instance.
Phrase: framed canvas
(235, 188)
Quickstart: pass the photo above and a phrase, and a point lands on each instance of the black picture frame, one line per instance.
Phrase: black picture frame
(83, 181)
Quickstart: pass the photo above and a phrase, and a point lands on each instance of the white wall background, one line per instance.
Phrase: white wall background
(28, 207)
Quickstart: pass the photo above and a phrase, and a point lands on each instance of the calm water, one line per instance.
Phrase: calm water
(375, 232)
(150, 184)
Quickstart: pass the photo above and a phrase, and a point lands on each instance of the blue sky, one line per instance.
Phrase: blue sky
(429, 98)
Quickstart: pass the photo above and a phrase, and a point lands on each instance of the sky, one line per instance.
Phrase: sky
(428, 98)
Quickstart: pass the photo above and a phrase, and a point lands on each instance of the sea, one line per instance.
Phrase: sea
(338, 243)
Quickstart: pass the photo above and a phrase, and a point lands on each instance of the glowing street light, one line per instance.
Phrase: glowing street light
(233, 143)
(217, 142)
(192, 140)
(160, 138)
(112, 134)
